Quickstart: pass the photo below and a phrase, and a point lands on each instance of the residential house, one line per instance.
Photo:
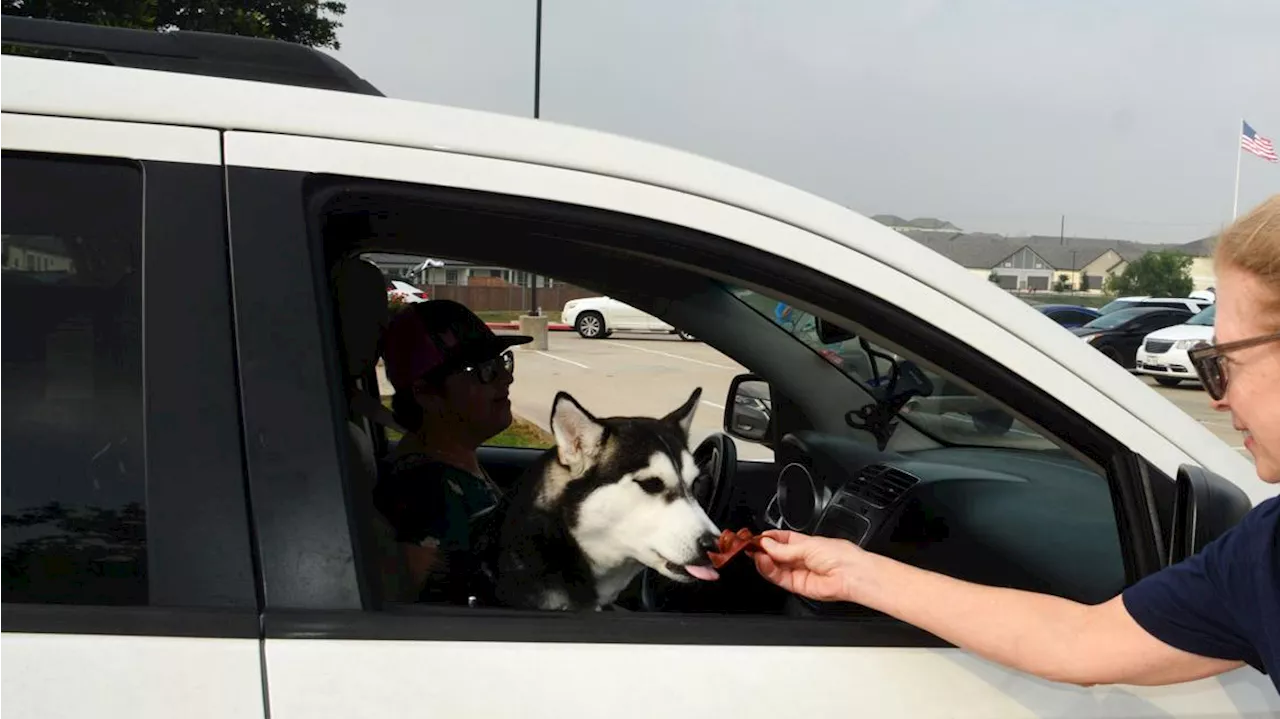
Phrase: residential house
(37, 253)
(1041, 262)
(427, 271)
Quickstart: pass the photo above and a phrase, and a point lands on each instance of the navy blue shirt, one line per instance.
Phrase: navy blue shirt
(1224, 601)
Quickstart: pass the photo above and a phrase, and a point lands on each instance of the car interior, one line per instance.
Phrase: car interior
(911, 460)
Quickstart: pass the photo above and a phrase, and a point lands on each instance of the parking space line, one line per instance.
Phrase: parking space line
(673, 356)
(561, 359)
(712, 404)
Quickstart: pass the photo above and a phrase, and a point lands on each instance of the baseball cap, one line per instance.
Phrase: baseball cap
(439, 335)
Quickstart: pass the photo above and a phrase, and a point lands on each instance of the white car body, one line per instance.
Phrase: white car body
(615, 315)
(295, 662)
(405, 292)
(1163, 353)
(1197, 302)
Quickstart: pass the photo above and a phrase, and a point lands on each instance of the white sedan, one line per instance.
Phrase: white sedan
(598, 317)
(1163, 353)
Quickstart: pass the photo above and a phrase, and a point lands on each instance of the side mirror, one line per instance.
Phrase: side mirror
(829, 334)
(1204, 506)
(748, 413)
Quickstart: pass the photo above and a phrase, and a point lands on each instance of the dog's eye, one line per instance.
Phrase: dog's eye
(651, 485)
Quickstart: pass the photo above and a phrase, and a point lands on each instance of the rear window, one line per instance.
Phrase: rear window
(74, 478)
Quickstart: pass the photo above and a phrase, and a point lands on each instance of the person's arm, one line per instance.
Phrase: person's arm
(1048, 636)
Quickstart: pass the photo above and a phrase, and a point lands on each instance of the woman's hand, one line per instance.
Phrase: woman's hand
(815, 567)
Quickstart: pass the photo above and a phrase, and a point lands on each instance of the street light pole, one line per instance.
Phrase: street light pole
(537, 114)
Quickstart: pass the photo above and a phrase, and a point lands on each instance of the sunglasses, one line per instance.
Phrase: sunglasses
(486, 372)
(1210, 362)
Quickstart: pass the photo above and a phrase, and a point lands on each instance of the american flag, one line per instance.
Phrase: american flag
(1258, 145)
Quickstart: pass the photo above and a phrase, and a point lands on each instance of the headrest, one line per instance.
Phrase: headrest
(361, 294)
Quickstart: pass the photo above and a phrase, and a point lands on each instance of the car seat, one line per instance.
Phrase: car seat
(360, 297)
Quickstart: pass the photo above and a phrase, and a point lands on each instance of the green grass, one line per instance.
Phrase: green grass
(521, 433)
(512, 315)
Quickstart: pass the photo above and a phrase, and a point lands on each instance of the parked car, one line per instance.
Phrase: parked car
(598, 317)
(1069, 315)
(189, 528)
(1192, 304)
(405, 292)
(1163, 353)
(1119, 334)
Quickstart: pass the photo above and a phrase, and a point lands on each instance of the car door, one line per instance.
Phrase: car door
(333, 649)
(128, 577)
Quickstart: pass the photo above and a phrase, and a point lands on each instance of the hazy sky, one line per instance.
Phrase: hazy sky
(997, 115)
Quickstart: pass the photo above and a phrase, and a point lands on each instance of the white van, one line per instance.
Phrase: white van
(187, 520)
(1163, 353)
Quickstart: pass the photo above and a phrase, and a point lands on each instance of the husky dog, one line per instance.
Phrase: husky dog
(611, 498)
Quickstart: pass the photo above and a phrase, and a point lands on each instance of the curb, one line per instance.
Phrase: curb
(516, 326)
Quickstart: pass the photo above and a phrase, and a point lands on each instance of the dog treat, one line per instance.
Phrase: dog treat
(731, 542)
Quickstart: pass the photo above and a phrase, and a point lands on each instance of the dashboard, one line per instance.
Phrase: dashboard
(1035, 520)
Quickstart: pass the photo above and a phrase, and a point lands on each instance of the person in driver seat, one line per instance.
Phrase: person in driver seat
(451, 375)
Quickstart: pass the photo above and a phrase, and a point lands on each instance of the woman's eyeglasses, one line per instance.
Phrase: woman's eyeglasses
(1210, 362)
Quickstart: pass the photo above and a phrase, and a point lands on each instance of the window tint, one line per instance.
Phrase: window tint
(74, 481)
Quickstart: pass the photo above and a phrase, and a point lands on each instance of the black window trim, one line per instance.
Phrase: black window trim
(265, 204)
(200, 563)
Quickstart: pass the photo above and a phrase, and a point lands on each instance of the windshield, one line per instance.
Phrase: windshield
(951, 414)
(1204, 318)
(1115, 319)
(1116, 305)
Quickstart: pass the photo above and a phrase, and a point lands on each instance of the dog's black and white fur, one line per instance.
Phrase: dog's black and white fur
(612, 497)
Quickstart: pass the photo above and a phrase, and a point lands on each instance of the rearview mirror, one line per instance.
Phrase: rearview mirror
(829, 334)
(748, 413)
(1204, 506)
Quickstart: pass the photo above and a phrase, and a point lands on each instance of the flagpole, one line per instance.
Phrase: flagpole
(1235, 201)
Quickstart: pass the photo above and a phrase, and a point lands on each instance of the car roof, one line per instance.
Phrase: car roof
(49, 87)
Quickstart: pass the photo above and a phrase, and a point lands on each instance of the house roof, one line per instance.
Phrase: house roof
(975, 250)
(923, 223)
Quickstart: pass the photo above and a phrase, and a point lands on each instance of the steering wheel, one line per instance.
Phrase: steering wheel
(717, 460)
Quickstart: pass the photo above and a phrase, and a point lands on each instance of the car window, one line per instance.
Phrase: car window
(1204, 317)
(950, 413)
(647, 369)
(74, 481)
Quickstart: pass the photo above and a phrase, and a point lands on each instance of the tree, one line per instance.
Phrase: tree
(1165, 273)
(1084, 282)
(308, 22)
(1063, 284)
(993, 277)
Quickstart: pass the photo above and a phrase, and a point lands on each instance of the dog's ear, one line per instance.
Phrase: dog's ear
(683, 417)
(578, 434)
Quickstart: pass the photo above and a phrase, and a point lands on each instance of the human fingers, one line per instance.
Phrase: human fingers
(790, 551)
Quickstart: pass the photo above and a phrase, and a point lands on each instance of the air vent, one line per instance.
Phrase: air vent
(881, 485)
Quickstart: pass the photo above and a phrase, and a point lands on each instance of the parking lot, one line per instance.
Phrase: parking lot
(652, 374)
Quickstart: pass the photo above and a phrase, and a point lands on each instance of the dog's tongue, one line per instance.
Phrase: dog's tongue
(707, 574)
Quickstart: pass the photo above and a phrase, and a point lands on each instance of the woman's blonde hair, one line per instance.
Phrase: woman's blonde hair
(1252, 244)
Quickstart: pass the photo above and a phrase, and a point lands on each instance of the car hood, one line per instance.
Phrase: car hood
(1183, 332)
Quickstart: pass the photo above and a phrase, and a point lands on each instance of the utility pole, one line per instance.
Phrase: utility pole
(534, 310)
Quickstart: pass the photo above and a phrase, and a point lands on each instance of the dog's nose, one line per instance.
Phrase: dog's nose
(708, 543)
